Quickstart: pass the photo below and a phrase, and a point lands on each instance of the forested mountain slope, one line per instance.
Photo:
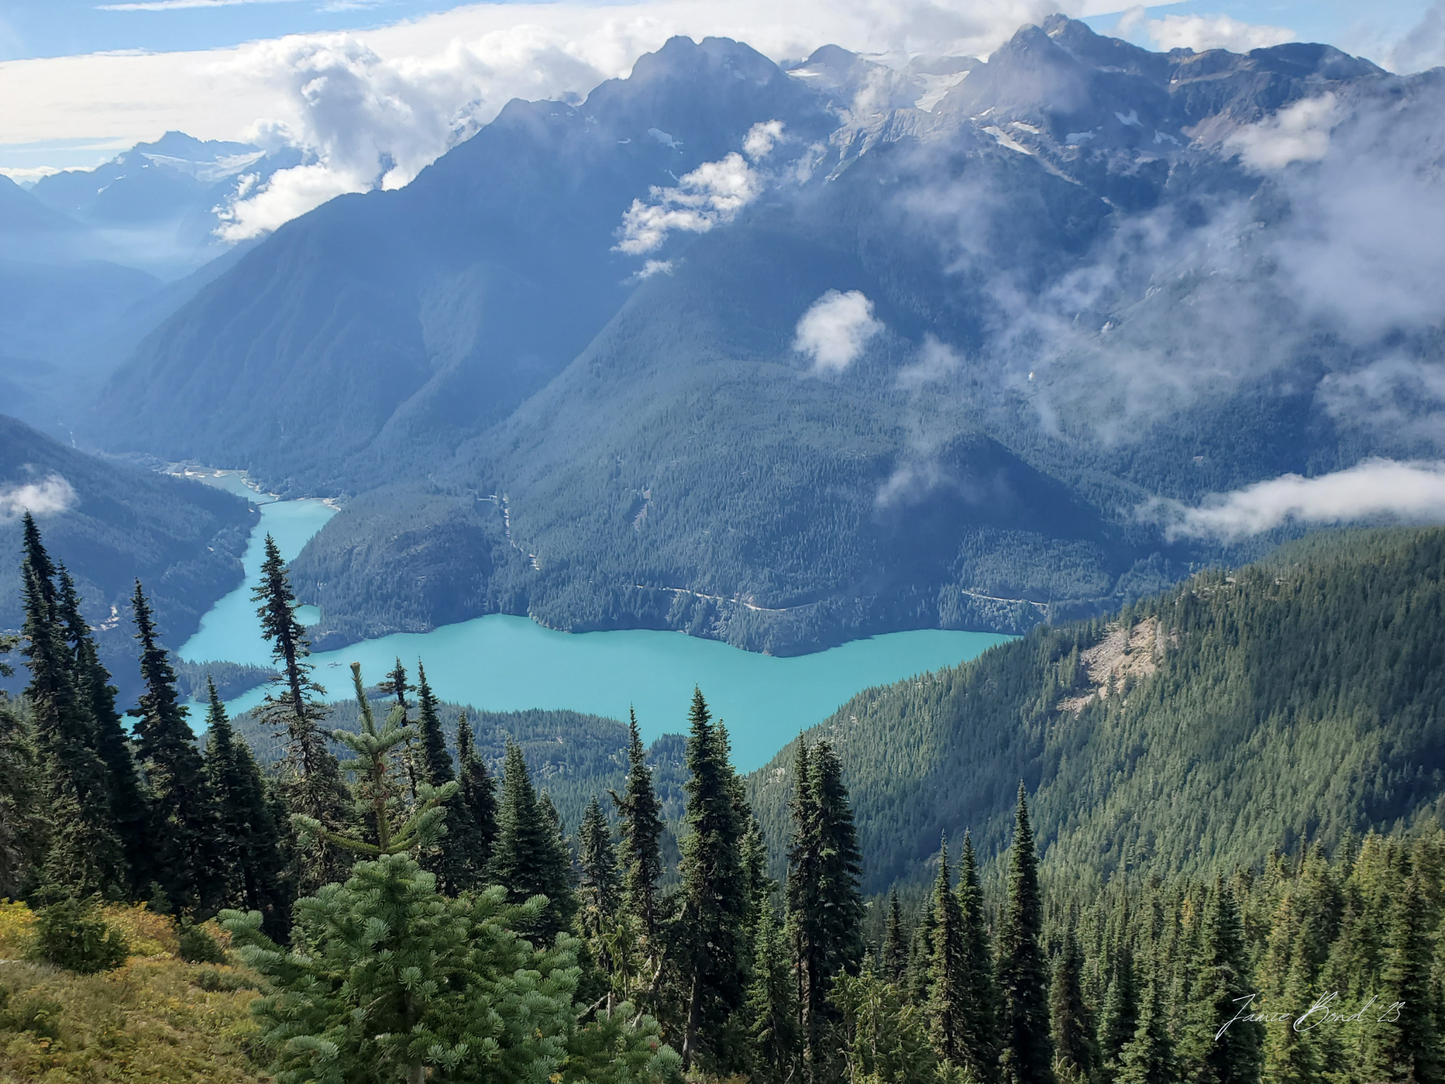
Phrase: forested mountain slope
(786, 357)
(1298, 699)
(111, 523)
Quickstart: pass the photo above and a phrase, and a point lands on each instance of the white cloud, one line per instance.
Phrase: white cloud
(935, 361)
(1413, 491)
(762, 138)
(287, 194)
(1204, 32)
(1297, 133)
(708, 196)
(1423, 46)
(835, 329)
(375, 106)
(50, 495)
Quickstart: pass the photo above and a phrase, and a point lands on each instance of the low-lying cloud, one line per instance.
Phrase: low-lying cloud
(835, 329)
(1373, 488)
(1297, 133)
(47, 497)
(711, 195)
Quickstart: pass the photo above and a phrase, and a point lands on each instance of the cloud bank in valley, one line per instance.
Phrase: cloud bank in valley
(47, 497)
(835, 329)
(1411, 491)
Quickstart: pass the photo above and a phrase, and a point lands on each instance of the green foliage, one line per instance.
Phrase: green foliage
(1309, 683)
(391, 979)
(199, 947)
(184, 829)
(527, 859)
(71, 934)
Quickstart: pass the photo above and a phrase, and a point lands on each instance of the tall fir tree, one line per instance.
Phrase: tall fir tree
(805, 910)
(894, 956)
(1027, 1056)
(112, 743)
(1120, 1018)
(599, 887)
(434, 753)
(1149, 1056)
(948, 996)
(1222, 1052)
(525, 860)
(640, 849)
(254, 867)
(474, 836)
(451, 857)
(1074, 1052)
(85, 855)
(1406, 1046)
(314, 788)
(840, 868)
(714, 904)
(183, 821)
(980, 1042)
(919, 973)
(406, 755)
(772, 1011)
(24, 824)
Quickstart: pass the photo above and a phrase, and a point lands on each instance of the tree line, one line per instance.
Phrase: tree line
(417, 918)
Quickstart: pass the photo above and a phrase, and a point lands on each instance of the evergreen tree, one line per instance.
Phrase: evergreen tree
(474, 834)
(1222, 1054)
(713, 894)
(640, 852)
(397, 685)
(772, 1004)
(1406, 1046)
(183, 825)
(1072, 1028)
(895, 950)
(315, 789)
(947, 1003)
(882, 1035)
(24, 826)
(397, 827)
(525, 858)
(392, 981)
(980, 1044)
(434, 754)
(254, 855)
(1149, 1056)
(1027, 1056)
(600, 888)
(97, 696)
(919, 974)
(840, 868)
(805, 907)
(85, 855)
(1120, 1018)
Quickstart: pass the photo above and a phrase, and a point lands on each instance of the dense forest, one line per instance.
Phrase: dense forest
(1298, 699)
(395, 904)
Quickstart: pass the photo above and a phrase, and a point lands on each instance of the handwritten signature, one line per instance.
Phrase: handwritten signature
(1321, 1011)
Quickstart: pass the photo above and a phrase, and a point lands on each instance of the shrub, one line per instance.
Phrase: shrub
(72, 936)
(199, 947)
(17, 929)
(213, 981)
(37, 1015)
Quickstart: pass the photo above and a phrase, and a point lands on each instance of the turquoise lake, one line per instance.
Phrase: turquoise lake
(502, 663)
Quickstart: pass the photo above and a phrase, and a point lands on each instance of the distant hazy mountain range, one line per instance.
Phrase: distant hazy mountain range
(110, 523)
(785, 357)
(93, 260)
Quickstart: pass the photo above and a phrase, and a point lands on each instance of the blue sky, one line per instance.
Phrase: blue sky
(54, 28)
